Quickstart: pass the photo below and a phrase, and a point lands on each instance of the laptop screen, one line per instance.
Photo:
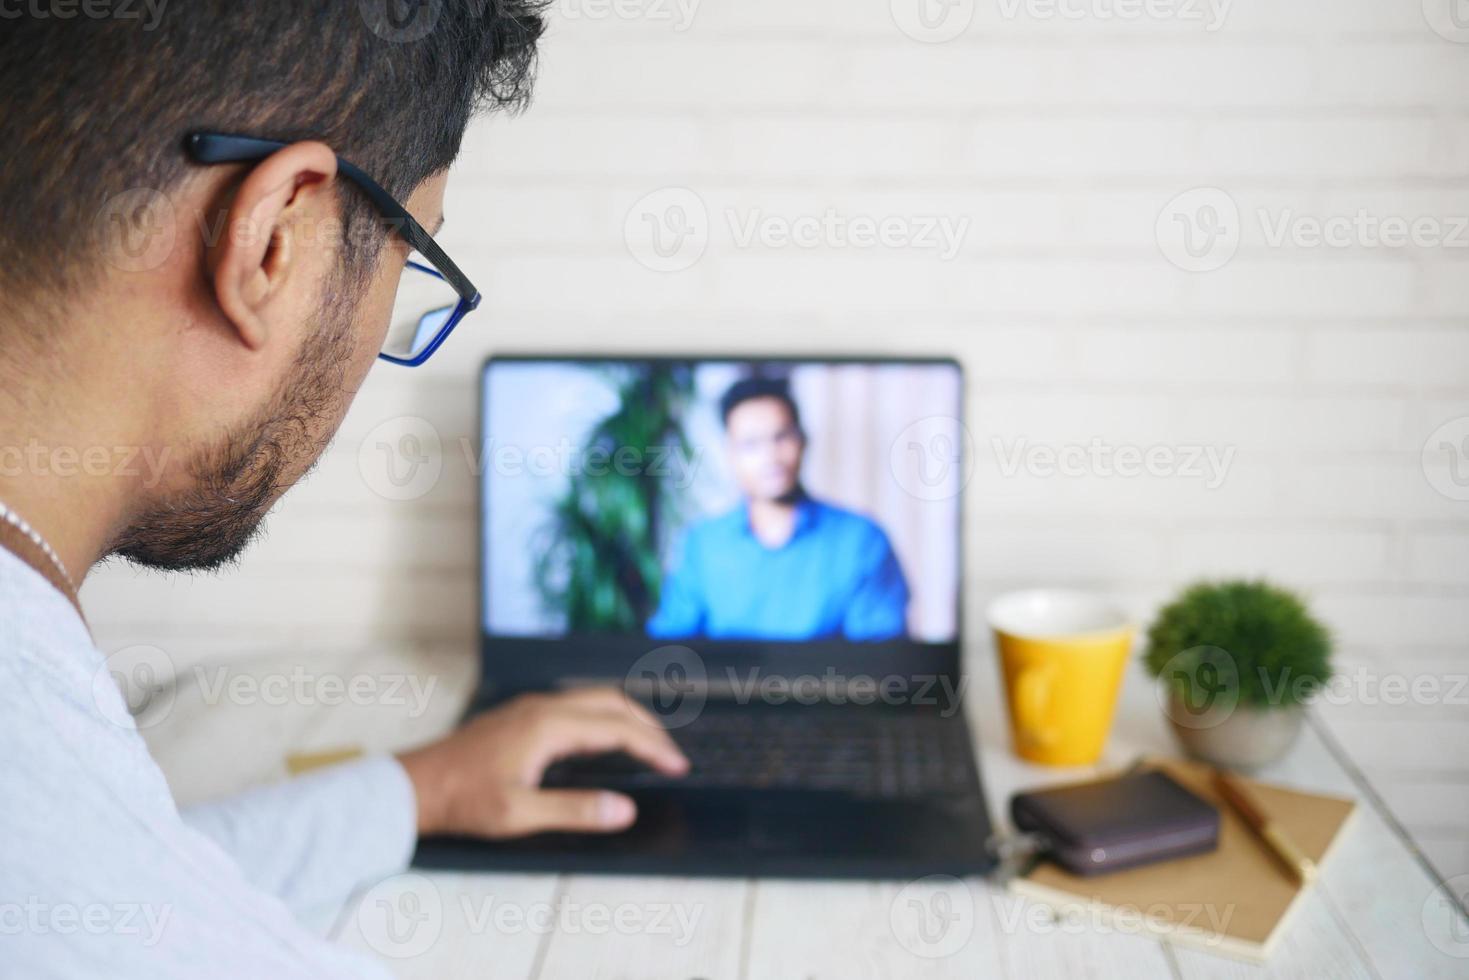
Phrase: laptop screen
(775, 501)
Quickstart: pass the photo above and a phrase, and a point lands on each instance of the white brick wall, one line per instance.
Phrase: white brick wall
(1060, 140)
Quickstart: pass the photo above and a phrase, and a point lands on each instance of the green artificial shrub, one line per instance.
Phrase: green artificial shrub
(1251, 635)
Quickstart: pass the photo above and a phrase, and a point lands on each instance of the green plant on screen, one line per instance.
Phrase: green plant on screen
(599, 568)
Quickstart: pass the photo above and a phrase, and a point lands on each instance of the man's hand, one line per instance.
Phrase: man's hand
(484, 779)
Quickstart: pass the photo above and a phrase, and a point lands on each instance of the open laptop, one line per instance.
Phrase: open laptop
(767, 554)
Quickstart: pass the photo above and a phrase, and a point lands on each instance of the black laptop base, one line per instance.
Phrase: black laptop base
(777, 838)
(742, 832)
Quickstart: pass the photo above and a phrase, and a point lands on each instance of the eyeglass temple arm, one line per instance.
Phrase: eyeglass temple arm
(213, 148)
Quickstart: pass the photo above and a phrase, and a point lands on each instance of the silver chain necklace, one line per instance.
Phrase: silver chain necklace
(19, 523)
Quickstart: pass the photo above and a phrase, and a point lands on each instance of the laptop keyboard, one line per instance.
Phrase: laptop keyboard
(891, 756)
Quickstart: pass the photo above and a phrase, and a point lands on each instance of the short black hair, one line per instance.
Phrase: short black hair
(748, 389)
(94, 106)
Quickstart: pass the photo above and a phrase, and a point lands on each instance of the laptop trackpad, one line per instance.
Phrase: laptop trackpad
(765, 822)
(814, 824)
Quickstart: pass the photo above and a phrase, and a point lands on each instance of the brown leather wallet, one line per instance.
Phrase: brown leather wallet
(1121, 822)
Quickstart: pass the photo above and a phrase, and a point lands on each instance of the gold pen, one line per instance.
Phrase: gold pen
(303, 762)
(1243, 802)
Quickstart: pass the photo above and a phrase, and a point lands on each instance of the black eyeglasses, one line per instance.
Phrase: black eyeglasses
(430, 302)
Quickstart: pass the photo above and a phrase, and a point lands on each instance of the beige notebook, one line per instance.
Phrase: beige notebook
(1234, 900)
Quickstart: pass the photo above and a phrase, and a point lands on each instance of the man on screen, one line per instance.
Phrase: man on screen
(782, 565)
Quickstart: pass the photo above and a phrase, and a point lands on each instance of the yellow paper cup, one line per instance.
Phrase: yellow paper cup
(1062, 654)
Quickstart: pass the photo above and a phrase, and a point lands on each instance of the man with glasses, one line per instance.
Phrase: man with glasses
(211, 226)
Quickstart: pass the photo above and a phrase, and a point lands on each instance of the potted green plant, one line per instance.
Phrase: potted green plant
(1237, 661)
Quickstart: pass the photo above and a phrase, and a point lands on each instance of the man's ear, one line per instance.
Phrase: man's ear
(277, 215)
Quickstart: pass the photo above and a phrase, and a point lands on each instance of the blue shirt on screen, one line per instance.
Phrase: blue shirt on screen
(836, 578)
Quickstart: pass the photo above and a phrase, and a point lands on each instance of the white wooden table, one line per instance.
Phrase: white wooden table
(1377, 912)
